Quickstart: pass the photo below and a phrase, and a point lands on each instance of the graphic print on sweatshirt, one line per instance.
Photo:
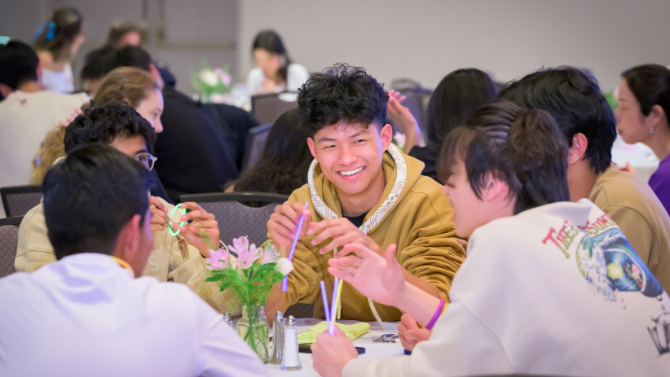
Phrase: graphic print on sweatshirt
(609, 264)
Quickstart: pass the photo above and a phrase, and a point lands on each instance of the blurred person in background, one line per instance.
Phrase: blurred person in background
(97, 64)
(124, 33)
(57, 42)
(27, 113)
(284, 161)
(274, 72)
(642, 117)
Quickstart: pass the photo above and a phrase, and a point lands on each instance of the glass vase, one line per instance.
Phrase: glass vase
(254, 329)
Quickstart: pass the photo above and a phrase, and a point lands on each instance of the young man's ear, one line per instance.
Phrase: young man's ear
(386, 134)
(494, 188)
(577, 149)
(312, 146)
(128, 242)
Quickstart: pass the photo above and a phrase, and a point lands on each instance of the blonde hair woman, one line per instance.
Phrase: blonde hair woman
(129, 84)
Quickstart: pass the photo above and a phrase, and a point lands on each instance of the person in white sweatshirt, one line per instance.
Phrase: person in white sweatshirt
(548, 287)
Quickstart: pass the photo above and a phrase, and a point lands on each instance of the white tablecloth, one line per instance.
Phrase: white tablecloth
(640, 156)
(372, 349)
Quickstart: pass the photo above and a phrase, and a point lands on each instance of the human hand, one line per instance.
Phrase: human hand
(284, 223)
(399, 114)
(378, 277)
(409, 332)
(343, 232)
(628, 168)
(331, 353)
(159, 216)
(70, 118)
(206, 221)
(269, 86)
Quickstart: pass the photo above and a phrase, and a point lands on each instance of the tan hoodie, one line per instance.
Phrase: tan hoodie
(412, 213)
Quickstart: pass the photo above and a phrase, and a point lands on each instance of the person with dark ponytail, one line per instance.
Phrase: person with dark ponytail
(57, 42)
(274, 72)
(543, 275)
(642, 117)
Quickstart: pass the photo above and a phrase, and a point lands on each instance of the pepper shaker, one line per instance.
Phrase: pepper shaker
(278, 339)
(290, 361)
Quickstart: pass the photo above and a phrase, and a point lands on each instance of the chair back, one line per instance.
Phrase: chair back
(255, 144)
(235, 219)
(9, 239)
(18, 200)
(267, 108)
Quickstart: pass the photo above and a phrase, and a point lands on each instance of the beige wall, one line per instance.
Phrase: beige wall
(425, 40)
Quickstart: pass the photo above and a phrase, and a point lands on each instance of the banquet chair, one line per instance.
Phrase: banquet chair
(9, 239)
(254, 146)
(236, 219)
(267, 108)
(18, 200)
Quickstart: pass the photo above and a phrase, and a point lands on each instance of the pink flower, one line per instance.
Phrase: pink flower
(225, 78)
(270, 255)
(218, 259)
(245, 256)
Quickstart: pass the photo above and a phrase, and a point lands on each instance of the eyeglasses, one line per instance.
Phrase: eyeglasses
(146, 159)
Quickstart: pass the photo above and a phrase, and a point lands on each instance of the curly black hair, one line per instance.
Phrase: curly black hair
(341, 93)
(103, 124)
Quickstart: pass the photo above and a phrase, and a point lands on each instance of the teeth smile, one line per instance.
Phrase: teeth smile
(352, 172)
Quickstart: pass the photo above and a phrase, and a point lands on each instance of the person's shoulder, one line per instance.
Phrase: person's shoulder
(621, 189)
(301, 194)
(298, 69)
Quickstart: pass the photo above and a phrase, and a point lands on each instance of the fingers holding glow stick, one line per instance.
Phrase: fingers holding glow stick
(284, 282)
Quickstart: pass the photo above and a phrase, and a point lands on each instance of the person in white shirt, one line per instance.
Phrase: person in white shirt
(27, 113)
(274, 72)
(549, 287)
(56, 43)
(90, 313)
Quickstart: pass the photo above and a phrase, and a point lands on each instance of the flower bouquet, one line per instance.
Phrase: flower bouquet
(213, 85)
(250, 279)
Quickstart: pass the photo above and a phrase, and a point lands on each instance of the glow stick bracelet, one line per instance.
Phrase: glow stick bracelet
(182, 223)
(325, 301)
(331, 327)
(284, 282)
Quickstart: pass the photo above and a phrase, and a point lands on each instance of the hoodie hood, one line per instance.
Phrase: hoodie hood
(400, 171)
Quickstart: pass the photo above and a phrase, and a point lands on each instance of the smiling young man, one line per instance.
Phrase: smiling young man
(362, 189)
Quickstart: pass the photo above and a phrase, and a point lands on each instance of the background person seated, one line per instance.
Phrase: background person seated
(178, 259)
(27, 113)
(284, 162)
(568, 302)
(582, 113)
(90, 313)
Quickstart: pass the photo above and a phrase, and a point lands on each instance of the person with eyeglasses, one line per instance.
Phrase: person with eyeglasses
(176, 259)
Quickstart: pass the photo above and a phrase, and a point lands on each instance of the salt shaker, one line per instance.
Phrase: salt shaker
(290, 361)
(227, 318)
(278, 339)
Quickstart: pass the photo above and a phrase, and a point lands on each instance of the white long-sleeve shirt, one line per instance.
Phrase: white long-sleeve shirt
(296, 75)
(539, 295)
(86, 316)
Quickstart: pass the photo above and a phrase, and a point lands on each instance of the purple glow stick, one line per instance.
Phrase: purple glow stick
(331, 324)
(284, 282)
(325, 301)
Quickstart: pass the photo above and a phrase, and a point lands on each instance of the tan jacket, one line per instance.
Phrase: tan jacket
(412, 213)
(634, 207)
(171, 260)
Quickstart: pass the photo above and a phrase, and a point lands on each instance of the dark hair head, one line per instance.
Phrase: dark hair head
(98, 63)
(90, 196)
(132, 56)
(284, 161)
(18, 64)
(574, 99)
(521, 147)
(456, 97)
(650, 84)
(118, 30)
(341, 93)
(58, 33)
(103, 124)
(271, 42)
